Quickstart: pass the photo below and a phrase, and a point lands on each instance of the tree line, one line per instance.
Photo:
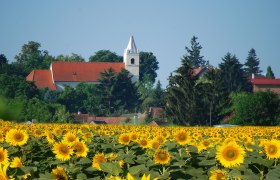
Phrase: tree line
(220, 93)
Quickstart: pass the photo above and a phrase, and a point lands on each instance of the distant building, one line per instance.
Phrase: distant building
(263, 84)
(63, 74)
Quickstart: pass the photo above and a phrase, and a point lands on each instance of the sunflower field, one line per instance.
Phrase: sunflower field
(70, 151)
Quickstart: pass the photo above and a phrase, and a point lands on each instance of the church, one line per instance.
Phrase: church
(63, 74)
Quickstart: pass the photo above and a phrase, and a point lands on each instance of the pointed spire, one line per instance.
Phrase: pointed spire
(131, 47)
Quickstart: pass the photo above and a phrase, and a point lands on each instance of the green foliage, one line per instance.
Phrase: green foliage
(252, 64)
(105, 56)
(14, 86)
(31, 57)
(118, 93)
(193, 54)
(261, 108)
(269, 73)
(9, 111)
(3, 60)
(72, 58)
(180, 97)
(150, 96)
(148, 67)
(232, 73)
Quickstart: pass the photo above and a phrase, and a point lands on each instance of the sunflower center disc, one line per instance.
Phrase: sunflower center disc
(18, 136)
(63, 150)
(230, 154)
(272, 150)
(182, 137)
(161, 156)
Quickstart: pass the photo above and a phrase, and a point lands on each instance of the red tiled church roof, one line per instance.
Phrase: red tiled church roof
(42, 79)
(265, 81)
(81, 71)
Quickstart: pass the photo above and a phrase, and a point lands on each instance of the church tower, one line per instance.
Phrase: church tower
(131, 59)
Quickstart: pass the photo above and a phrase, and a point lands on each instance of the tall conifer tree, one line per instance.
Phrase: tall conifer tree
(252, 64)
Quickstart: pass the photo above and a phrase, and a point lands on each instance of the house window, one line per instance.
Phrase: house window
(132, 61)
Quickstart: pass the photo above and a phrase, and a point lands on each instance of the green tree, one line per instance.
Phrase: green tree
(105, 56)
(106, 87)
(210, 97)
(61, 115)
(193, 54)
(3, 60)
(72, 58)
(31, 57)
(14, 86)
(180, 96)
(269, 73)
(252, 64)
(125, 92)
(148, 66)
(71, 99)
(232, 73)
(261, 108)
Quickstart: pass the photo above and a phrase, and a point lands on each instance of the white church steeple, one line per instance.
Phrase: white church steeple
(131, 59)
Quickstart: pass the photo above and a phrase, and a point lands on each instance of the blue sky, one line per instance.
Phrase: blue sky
(158, 26)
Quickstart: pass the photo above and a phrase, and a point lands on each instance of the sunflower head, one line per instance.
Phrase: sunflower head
(218, 175)
(272, 149)
(144, 143)
(17, 137)
(230, 154)
(16, 163)
(97, 159)
(62, 151)
(162, 157)
(70, 138)
(124, 139)
(80, 149)
(182, 138)
(59, 173)
(154, 144)
(4, 159)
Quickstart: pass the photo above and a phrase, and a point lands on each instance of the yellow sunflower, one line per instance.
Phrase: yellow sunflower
(133, 136)
(62, 151)
(272, 149)
(124, 139)
(1, 137)
(230, 154)
(218, 175)
(162, 157)
(97, 159)
(50, 137)
(59, 173)
(3, 172)
(16, 163)
(38, 133)
(182, 138)
(154, 144)
(4, 159)
(144, 143)
(88, 136)
(17, 137)
(80, 149)
(70, 138)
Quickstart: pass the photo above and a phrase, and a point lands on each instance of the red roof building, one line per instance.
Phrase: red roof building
(63, 74)
(42, 78)
(263, 84)
(71, 73)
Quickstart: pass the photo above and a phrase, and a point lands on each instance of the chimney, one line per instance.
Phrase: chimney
(253, 76)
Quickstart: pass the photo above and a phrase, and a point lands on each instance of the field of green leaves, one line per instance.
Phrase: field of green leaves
(69, 151)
